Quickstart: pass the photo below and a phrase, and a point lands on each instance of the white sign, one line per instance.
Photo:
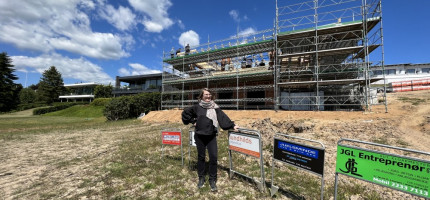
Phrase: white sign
(244, 144)
(192, 141)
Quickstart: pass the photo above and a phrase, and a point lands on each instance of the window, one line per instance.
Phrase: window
(410, 71)
(426, 70)
(377, 72)
(390, 71)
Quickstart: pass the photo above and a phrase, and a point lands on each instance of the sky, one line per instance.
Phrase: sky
(97, 40)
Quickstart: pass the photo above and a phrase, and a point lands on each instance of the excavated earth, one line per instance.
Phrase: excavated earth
(406, 123)
(71, 164)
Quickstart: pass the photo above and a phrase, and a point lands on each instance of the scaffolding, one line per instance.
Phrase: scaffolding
(317, 57)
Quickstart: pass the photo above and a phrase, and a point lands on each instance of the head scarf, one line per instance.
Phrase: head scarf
(210, 113)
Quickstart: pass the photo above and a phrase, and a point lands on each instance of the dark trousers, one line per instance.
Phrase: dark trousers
(209, 142)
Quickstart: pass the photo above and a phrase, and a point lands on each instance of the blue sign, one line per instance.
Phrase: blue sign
(304, 157)
(298, 149)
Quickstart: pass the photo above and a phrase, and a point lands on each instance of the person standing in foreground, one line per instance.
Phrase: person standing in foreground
(206, 115)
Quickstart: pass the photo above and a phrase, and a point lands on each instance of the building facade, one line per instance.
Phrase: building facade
(79, 92)
(129, 85)
(401, 72)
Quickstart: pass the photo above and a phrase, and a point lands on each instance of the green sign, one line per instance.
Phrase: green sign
(391, 171)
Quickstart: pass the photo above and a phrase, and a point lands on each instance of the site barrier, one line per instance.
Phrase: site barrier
(247, 142)
(298, 155)
(171, 137)
(398, 172)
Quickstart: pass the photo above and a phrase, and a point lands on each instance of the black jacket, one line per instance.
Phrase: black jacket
(204, 125)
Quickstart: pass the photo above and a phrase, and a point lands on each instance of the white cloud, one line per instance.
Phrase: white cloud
(124, 72)
(136, 69)
(235, 15)
(156, 19)
(181, 24)
(189, 37)
(122, 18)
(88, 4)
(80, 69)
(247, 31)
(56, 25)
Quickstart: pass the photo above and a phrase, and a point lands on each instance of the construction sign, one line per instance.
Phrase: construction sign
(172, 138)
(397, 172)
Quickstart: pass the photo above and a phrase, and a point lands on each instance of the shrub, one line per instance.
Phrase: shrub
(132, 106)
(26, 106)
(118, 108)
(101, 101)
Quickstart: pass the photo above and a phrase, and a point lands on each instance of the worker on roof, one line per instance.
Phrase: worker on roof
(187, 49)
(172, 53)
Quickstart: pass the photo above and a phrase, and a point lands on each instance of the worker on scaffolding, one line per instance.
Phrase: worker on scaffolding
(248, 61)
(262, 63)
(228, 64)
(178, 52)
(272, 59)
(223, 62)
(243, 63)
(172, 53)
(187, 49)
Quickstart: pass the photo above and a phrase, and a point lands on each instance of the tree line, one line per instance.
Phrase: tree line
(14, 97)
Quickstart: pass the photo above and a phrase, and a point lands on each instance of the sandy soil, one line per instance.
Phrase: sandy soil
(44, 159)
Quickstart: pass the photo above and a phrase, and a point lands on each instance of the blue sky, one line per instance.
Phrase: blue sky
(96, 40)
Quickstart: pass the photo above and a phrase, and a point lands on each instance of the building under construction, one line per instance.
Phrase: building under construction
(317, 56)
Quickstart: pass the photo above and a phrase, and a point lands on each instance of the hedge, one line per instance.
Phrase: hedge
(56, 107)
(126, 107)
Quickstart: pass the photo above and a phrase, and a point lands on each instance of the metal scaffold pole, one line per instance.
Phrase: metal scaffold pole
(383, 58)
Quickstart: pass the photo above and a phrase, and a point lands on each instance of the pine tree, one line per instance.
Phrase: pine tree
(8, 89)
(51, 85)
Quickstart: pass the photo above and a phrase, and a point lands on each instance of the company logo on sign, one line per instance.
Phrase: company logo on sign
(173, 138)
(241, 139)
(298, 149)
(350, 167)
(244, 144)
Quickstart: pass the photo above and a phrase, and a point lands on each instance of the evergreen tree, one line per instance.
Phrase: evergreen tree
(27, 95)
(8, 89)
(51, 85)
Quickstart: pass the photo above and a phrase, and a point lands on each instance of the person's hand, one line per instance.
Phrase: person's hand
(236, 128)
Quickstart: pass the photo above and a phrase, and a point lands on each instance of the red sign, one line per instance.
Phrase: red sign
(173, 138)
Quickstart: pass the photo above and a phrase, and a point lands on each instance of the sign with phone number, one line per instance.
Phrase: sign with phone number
(172, 138)
(400, 173)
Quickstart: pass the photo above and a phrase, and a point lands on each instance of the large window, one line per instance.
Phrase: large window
(390, 71)
(410, 71)
(426, 70)
(377, 72)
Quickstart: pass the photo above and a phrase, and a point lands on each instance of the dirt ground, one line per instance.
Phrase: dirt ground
(28, 163)
(405, 124)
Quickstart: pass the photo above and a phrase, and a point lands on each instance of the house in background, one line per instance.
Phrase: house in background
(402, 72)
(129, 85)
(79, 92)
